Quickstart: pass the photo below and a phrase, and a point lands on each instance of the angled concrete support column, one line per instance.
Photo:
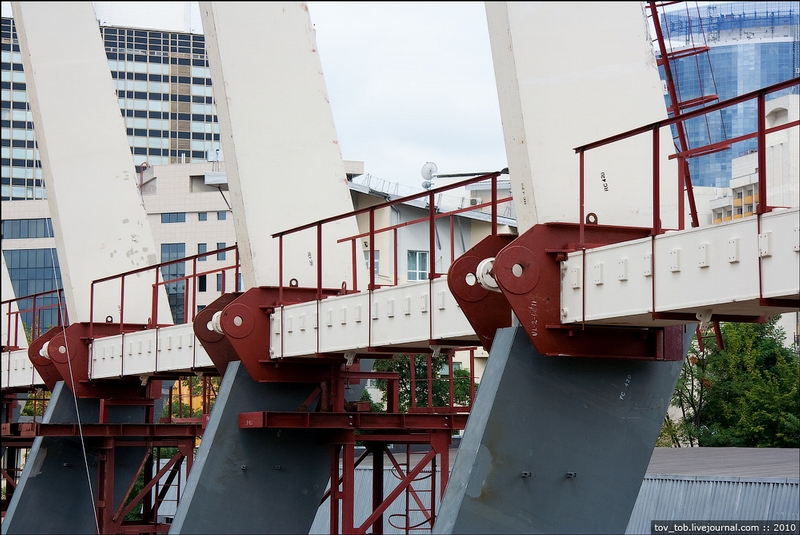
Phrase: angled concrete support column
(53, 493)
(555, 444)
(254, 480)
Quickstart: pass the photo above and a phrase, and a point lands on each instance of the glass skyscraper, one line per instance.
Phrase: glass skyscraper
(750, 45)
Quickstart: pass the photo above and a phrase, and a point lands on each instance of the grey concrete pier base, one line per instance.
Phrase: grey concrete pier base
(555, 444)
(53, 495)
(254, 480)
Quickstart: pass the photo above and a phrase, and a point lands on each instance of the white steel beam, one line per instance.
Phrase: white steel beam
(568, 74)
(703, 271)
(283, 160)
(99, 221)
(410, 315)
(724, 269)
(400, 317)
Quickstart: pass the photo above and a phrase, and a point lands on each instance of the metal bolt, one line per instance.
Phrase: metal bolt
(526, 473)
(244, 467)
(571, 475)
(277, 467)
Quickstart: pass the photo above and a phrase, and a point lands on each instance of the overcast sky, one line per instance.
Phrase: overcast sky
(408, 82)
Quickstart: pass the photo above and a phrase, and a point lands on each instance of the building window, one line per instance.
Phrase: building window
(221, 256)
(222, 216)
(219, 282)
(417, 265)
(377, 256)
(202, 216)
(202, 248)
(34, 271)
(445, 371)
(173, 277)
(174, 217)
(201, 283)
(15, 229)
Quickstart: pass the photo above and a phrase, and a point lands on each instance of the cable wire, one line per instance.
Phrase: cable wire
(75, 397)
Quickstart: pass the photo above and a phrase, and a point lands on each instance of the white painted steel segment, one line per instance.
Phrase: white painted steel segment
(411, 315)
(100, 223)
(167, 349)
(712, 268)
(346, 323)
(599, 81)
(139, 352)
(131, 354)
(780, 269)
(18, 371)
(390, 323)
(299, 329)
(283, 162)
(420, 312)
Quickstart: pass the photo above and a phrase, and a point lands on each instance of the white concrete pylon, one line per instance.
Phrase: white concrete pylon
(283, 160)
(569, 74)
(100, 223)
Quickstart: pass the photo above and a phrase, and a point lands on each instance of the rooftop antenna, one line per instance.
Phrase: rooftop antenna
(428, 174)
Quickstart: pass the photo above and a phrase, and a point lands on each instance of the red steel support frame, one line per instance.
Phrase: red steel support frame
(106, 438)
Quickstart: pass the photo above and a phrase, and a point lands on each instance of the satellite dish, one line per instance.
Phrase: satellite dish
(429, 171)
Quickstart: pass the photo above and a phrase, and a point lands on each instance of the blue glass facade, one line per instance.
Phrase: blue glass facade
(176, 290)
(34, 271)
(752, 45)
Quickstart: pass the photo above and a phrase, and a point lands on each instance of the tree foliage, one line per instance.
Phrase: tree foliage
(744, 395)
(181, 408)
(440, 391)
(36, 403)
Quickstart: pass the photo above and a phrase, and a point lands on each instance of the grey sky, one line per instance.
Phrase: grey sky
(408, 82)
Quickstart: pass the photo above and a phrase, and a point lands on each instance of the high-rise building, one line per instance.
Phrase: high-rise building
(750, 45)
(163, 86)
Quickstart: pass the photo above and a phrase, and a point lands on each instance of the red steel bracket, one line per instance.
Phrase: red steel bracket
(67, 353)
(245, 322)
(528, 272)
(485, 310)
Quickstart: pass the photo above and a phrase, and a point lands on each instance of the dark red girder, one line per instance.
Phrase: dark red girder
(528, 272)
(68, 352)
(486, 310)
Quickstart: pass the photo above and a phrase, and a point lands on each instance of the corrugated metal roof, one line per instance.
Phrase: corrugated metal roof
(665, 497)
(726, 462)
(661, 497)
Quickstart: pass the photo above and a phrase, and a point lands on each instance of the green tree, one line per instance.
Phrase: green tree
(440, 391)
(192, 386)
(36, 403)
(744, 395)
(373, 406)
